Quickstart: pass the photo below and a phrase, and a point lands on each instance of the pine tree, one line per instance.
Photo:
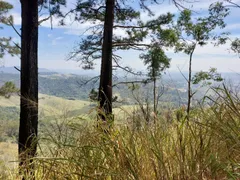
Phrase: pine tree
(8, 89)
(28, 129)
(157, 62)
(103, 44)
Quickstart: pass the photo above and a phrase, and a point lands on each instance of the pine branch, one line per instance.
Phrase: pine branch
(11, 24)
(132, 27)
(126, 69)
(17, 69)
(232, 4)
(44, 19)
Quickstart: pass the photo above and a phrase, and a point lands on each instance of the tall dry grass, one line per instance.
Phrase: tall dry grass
(205, 147)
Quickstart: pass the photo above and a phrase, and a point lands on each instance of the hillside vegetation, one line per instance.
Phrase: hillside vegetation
(207, 146)
(50, 108)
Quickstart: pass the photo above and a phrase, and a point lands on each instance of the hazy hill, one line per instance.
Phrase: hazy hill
(71, 86)
(13, 70)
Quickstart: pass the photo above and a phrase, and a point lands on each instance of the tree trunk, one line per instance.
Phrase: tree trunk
(105, 87)
(27, 144)
(154, 99)
(189, 84)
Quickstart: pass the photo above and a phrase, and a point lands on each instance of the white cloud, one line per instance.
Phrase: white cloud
(56, 40)
(59, 38)
(168, 6)
(17, 18)
(119, 32)
(72, 27)
(76, 28)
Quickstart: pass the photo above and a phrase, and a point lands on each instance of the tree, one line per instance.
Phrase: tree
(105, 86)
(198, 32)
(103, 44)
(28, 129)
(157, 62)
(8, 89)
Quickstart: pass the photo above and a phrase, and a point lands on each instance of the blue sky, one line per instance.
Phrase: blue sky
(55, 44)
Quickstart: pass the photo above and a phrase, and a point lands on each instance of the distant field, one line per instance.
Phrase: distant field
(50, 105)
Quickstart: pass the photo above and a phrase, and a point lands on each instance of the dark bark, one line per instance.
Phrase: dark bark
(28, 129)
(105, 87)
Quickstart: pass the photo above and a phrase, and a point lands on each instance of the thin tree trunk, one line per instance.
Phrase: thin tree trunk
(27, 145)
(154, 99)
(189, 84)
(105, 87)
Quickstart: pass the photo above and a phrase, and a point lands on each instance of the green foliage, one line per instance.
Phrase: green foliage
(199, 31)
(93, 95)
(52, 6)
(4, 8)
(127, 19)
(7, 89)
(156, 60)
(6, 46)
(207, 77)
(235, 46)
(67, 87)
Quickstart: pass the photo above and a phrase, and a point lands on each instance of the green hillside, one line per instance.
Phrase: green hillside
(49, 105)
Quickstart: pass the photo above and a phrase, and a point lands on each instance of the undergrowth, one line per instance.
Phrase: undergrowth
(205, 147)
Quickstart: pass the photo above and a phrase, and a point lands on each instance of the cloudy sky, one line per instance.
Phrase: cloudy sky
(55, 44)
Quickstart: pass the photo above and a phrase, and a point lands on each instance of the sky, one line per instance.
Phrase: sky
(56, 44)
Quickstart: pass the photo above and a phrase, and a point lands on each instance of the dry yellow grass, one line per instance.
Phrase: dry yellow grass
(49, 105)
(8, 154)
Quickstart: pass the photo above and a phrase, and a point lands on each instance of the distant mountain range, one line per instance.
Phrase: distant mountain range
(13, 70)
(232, 76)
(71, 85)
